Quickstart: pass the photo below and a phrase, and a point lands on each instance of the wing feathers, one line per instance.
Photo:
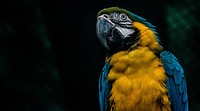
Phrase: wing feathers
(104, 88)
(176, 83)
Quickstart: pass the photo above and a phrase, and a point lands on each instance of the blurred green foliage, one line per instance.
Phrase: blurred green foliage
(50, 57)
(182, 19)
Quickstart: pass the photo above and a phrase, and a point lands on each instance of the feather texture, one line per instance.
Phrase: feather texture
(104, 88)
(176, 82)
(137, 78)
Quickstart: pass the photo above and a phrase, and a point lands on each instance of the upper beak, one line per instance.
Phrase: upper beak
(103, 29)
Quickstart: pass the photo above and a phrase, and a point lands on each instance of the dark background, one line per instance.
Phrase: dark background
(50, 57)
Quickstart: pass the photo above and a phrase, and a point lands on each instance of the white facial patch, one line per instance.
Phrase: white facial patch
(126, 32)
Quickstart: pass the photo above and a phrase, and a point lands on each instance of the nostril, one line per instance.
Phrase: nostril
(105, 15)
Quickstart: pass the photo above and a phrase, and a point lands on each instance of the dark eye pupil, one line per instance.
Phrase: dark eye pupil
(123, 17)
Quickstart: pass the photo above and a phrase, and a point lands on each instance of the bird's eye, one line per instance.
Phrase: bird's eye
(123, 16)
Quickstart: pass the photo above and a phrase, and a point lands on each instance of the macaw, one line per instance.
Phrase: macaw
(139, 74)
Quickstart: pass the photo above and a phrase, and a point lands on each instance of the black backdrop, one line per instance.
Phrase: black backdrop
(50, 57)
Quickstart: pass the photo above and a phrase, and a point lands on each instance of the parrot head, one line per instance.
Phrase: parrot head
(118, 29)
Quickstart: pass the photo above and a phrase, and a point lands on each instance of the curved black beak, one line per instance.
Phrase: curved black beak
(103, 28)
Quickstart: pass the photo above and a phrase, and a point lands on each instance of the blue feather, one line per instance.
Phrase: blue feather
(176, 82)
(104, 88)
(182, 86)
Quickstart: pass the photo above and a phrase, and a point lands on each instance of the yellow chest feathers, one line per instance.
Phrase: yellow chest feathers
(138, 82)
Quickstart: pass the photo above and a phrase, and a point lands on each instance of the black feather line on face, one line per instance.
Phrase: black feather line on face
(123, 44)
(133, 17)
